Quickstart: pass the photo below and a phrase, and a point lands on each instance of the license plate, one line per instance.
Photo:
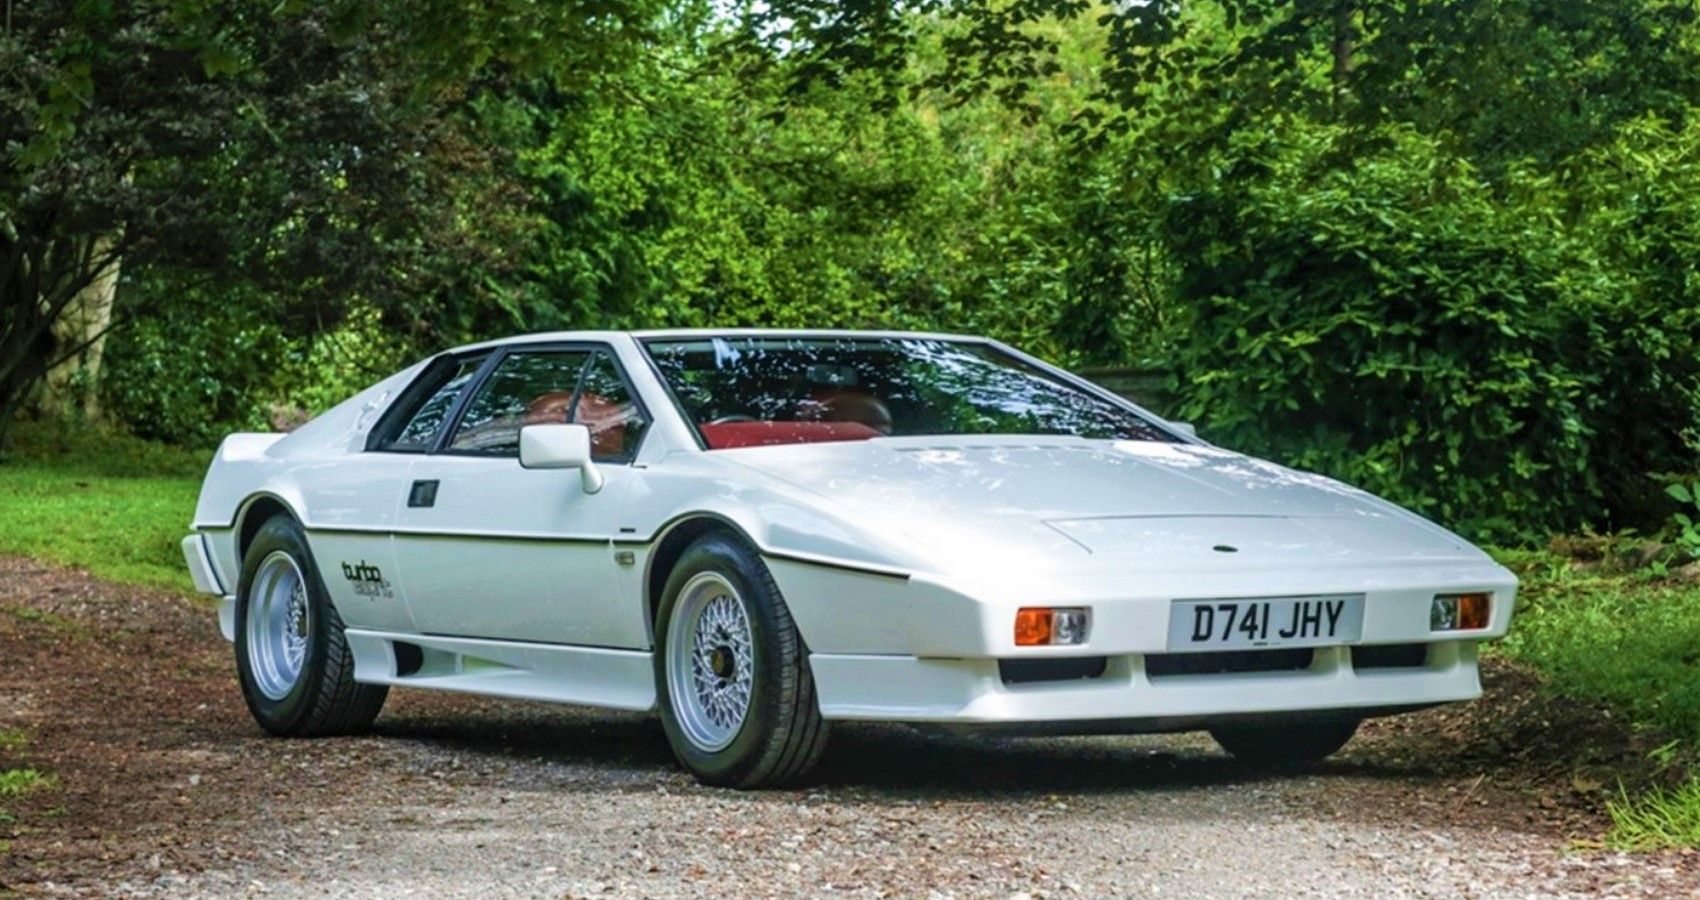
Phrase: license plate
(1196, 625)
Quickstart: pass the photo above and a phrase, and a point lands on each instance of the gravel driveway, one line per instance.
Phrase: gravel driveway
(164, 787)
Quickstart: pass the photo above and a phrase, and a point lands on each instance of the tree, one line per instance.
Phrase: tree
(321, 153)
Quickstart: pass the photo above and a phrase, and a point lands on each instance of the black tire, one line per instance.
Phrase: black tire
(782, 734)
(1287, 745)
(325, 699)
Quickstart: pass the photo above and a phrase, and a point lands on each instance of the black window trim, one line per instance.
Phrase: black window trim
(384, 431)
(458, 411)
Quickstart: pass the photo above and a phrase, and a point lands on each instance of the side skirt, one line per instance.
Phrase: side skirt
(587, 676)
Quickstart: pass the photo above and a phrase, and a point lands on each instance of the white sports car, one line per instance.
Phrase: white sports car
(758, 533)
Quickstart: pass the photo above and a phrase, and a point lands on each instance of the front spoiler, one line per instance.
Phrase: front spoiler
(971, 692)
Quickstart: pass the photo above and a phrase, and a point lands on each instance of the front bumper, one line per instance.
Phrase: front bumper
(844, 612)
(927, 649)
(972, 692)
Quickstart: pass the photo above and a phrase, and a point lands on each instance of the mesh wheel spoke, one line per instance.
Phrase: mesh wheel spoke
(710, 660)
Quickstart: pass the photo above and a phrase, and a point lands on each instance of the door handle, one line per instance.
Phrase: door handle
(422, 494)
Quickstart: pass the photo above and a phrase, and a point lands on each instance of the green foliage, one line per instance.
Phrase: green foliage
(700, 194)
(1685, 522)
(311, 159)
(201, 367)
(328, 368)
(1443, 250)
(1398, 323)
(193, 369)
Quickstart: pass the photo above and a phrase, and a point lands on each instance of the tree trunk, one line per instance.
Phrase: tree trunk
(15, 388)
(74, 384)
(1344, 44)
(6, 409)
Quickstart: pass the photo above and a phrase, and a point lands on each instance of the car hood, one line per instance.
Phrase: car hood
(1049, 503)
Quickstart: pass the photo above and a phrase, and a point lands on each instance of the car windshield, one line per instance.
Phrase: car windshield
(746, 391)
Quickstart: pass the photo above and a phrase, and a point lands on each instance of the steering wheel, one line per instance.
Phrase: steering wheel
(735, 417)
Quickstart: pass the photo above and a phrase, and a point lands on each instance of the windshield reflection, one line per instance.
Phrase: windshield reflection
(749, 391)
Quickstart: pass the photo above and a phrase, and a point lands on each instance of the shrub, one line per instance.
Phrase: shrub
(195, 369)
(186, 370)
(1393, 321)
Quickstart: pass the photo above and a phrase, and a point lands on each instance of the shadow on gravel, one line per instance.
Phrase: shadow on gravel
(562, 736)
(906, 762)
(883, 759)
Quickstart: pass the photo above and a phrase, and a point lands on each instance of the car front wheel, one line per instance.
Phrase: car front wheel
(736, 695)
(1287, 745)
(292, 659)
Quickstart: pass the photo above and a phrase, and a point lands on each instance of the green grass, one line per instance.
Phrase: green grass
(13, 740)
(64, 625)
(1629, 638)
(117, 506)
(1657, 818)
(15, 783)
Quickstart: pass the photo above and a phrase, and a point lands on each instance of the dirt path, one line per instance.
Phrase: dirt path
(165, 787)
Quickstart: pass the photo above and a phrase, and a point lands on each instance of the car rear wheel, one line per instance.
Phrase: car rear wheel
(1286, 745)
(292, 658)
(732, 673)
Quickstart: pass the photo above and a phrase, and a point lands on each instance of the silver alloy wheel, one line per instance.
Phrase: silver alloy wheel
(710, 661)
(279, 622)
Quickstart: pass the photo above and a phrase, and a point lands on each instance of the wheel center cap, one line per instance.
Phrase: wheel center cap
(721, 662)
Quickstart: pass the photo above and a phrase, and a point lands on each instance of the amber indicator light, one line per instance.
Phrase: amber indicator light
(1460, 612)
(1032, 626)
(1474, 611)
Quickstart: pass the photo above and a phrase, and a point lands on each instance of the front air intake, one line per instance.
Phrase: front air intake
(1390, 656)
(1071, 668)
(409, 658)
(1171, 665)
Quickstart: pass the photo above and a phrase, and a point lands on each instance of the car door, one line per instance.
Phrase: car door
(354, 501)
(489, 549)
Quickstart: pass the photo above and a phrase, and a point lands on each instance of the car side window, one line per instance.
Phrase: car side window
(523, 389)
(433, 397)
(604, 404)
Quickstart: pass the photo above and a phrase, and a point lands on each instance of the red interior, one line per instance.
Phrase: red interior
(727, 435)
(606, 419)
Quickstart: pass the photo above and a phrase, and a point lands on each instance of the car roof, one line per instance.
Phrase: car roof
(688, 333)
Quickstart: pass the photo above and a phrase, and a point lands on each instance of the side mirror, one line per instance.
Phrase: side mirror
(1185, 428)
(560, 447)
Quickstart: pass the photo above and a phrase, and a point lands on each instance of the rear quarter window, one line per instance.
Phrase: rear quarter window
(420, 414)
